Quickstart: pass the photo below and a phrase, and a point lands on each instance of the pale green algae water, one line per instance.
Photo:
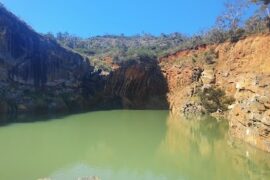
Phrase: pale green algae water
(127, 145)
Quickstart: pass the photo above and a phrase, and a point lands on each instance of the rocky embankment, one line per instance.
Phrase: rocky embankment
(231, 80)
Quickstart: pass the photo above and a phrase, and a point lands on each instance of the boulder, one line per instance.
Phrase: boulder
(208, 76)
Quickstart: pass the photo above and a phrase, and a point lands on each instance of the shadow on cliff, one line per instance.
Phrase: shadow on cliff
(137, 84)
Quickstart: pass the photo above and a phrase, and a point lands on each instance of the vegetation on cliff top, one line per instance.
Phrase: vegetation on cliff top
(233, 24)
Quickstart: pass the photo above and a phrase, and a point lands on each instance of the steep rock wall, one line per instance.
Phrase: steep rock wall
(29, 58)
(39, 75)
(240, 69)
(138, 85)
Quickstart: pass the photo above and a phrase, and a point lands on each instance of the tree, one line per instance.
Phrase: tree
(265, 6)
(256, 24)
(50, 36)
(232, 19)
(232, 16)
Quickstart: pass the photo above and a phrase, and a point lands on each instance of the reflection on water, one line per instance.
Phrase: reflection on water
(202, 150)
(125, 145)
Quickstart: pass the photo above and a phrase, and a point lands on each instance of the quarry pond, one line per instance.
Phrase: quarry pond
(126, 145)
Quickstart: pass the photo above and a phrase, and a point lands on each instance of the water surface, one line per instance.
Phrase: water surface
(127, 145)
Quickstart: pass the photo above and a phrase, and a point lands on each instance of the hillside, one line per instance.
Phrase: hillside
(105, 51)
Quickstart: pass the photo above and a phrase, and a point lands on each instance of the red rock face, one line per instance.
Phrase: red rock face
(242, 70)
(250, 115)
(138, 85)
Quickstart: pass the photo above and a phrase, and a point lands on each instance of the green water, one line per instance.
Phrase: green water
(127, 145)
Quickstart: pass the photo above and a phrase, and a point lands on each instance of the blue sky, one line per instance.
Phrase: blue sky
(98, 17)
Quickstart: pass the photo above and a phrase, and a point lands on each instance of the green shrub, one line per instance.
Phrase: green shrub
(256, 24)
(215, 36)
(214, 99)
(210, 56)
(236, 35)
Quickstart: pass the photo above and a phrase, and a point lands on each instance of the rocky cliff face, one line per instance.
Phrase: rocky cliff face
(30, 58)
(138, 85)
(244, 71)
(37, 74)
(241, 70)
